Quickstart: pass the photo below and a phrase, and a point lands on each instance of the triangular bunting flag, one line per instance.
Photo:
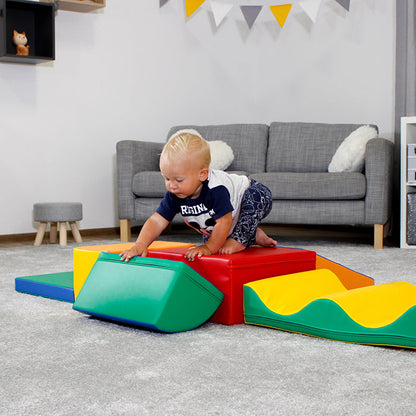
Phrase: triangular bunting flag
(162, 2)
(192, 6)
(311, 7)
(250, 13)
(344, 3)
(220, 10)
(281, 12)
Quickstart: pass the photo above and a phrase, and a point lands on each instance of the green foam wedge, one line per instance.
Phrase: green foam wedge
(158, 294)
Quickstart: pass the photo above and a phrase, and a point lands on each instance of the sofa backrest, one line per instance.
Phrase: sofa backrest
(248, 141)
(304, 147)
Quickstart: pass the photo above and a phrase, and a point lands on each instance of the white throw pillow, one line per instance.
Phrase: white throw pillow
(350, 154)
(221, 155)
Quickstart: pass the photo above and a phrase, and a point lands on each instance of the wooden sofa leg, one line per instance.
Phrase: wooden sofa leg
(125, 231)
(380, 232)
(378, 235)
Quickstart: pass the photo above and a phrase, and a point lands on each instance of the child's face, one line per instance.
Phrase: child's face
(184, 176)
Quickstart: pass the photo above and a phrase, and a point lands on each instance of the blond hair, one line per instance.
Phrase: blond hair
(187, 143)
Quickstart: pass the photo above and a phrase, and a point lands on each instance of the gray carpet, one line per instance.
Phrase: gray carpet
(56, 361)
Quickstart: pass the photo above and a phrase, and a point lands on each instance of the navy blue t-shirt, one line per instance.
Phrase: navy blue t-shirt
(213, 202)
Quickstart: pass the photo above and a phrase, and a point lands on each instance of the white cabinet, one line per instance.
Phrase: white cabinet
(407, 184)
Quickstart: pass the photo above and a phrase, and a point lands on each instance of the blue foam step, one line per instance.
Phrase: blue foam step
(57, 286)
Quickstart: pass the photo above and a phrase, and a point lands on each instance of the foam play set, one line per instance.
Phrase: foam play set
(284, 288)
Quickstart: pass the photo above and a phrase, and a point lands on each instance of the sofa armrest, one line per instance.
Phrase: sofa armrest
(379, 176)
(132, 157)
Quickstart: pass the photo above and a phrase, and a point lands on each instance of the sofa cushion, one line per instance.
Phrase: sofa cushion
(304, 147)
(149, 184)
(248, 141)
(287, 211)
(313, 186)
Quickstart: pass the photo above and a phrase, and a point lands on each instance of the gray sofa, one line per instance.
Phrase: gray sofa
(290, 158)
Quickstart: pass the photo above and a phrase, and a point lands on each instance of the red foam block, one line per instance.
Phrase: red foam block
(230, 272)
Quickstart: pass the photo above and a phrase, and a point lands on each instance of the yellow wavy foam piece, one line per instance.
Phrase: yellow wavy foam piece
(370, 306)
(290, 293)
(379, 305)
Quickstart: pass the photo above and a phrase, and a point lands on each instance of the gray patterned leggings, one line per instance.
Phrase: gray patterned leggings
(255, 206)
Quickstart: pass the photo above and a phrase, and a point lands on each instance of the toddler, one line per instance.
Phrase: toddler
(225, 208)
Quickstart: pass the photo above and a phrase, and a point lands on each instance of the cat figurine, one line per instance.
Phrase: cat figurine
(20, 40)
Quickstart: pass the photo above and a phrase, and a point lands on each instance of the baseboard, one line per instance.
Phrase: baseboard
(17, 239)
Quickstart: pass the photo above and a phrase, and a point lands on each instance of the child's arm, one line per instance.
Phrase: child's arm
(151, 230)
(218, 237)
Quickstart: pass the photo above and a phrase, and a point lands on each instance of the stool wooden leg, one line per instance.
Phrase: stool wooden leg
(62, 233)
(40, 234)
(53, 233)
(75, 232)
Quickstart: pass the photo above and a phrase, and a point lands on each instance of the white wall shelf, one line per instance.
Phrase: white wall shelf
(79, 5)
(407, 136)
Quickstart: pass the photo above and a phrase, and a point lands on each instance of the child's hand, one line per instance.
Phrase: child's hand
(197, 252)
(137, 250)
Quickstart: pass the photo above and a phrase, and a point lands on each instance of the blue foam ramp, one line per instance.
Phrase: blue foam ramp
(57, 286)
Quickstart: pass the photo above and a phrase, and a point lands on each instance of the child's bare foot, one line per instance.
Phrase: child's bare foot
(231, 246)
(262, 239)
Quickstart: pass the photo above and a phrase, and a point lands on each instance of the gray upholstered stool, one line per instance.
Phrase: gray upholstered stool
(54, 213)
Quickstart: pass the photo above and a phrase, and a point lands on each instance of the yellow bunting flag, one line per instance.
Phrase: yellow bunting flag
(281, 12)
(192, 6)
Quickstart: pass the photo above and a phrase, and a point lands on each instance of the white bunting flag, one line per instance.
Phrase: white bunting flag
(311, 8)
(220, 10)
